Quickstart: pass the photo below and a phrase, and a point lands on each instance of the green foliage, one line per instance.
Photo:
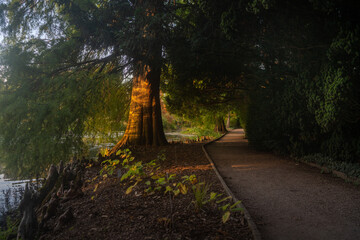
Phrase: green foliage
(109, 166)
(207, 68)
(169, 126)
(41, 118)
(292, 80)
(11, 229)
(202, 198)
(201, 131)
(200, 191)
(350, 169)
(304, 106)
(109, 111)
(228, 208)
(147, 175)
(62, 66)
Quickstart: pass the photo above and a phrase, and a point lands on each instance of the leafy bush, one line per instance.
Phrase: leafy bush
(154, 181)
(169, 126)
(350, 169)
(317, 109)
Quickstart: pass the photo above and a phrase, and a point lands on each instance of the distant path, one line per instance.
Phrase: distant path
(287, 200)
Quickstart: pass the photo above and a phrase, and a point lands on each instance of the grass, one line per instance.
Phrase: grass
(199, 132)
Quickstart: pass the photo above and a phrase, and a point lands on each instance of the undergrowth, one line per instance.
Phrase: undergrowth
(10, 231)
(134, 174)
(200, 132)
(350, 169)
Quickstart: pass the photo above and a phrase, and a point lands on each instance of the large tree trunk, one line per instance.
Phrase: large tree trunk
(144, 126)
(220, 125)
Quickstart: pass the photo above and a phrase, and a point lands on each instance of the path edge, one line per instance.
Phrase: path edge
(255, 232)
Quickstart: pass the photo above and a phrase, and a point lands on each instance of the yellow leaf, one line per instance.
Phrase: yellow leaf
(96, 187)
(226, 217)
(129, 190)
(183, 188)
(176, 192)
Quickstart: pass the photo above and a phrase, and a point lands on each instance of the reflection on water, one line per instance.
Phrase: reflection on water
(178, 137)
(10, 193)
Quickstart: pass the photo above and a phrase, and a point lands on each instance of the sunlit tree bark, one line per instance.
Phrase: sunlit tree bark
(145, 123)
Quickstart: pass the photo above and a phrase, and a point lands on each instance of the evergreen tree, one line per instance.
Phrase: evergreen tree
(58, 53)
(309, 100)
(212, 60)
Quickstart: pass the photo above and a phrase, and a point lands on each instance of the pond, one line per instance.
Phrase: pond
(177, 136)
(11, 192)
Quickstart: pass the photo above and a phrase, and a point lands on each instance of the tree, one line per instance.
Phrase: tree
(109, 111)
(209, 70)
(220, 125)
(73, 45)
(306, 104)
(145, 123)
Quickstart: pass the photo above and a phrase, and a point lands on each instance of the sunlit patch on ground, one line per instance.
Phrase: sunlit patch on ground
(190, 168)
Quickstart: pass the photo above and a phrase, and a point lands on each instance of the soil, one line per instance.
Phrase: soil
(287, 199)
(110, 213)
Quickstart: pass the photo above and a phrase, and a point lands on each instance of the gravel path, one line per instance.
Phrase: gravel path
(287, 200)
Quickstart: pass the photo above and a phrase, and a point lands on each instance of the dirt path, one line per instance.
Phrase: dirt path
(287, 200)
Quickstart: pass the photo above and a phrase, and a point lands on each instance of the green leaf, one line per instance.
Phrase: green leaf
(226, 217)
(235, 204)
(224, 199)
(214, 195)
(224, 207)
(168, 189)
(172, 176)
(176, 192)
(161, 181)
(237, 209)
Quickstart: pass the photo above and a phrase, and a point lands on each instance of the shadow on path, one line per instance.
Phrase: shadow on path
(287, 200)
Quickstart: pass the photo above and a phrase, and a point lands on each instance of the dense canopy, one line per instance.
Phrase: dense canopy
(289, 69)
